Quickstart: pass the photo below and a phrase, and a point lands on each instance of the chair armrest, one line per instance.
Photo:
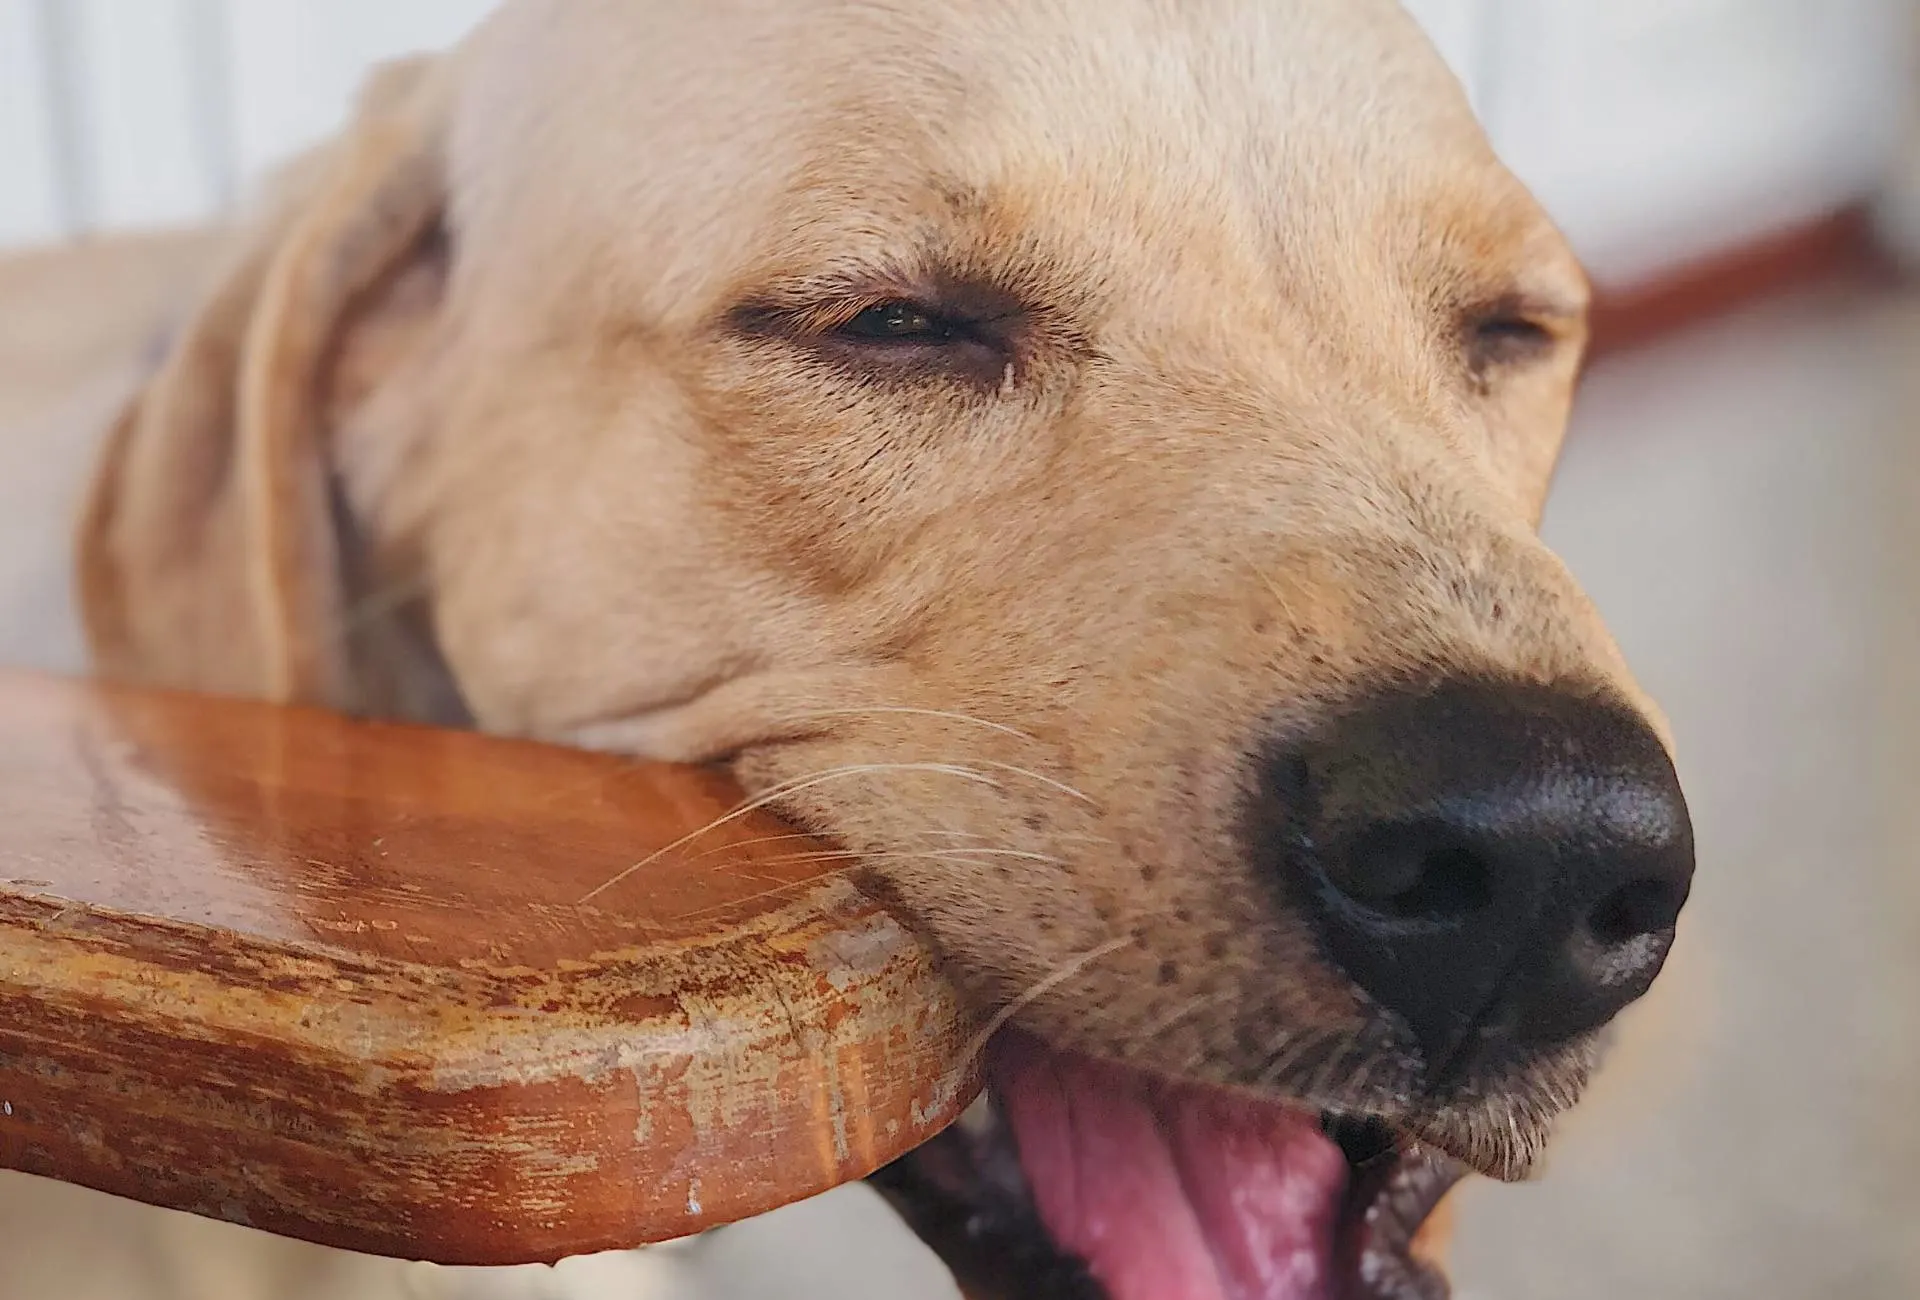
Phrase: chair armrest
(434, 994)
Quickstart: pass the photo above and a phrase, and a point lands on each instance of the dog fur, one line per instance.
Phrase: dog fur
(521, 406)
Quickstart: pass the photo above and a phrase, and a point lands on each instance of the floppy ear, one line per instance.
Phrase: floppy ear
(210, 556)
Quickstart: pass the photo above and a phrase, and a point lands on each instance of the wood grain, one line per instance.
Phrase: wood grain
(351, 982)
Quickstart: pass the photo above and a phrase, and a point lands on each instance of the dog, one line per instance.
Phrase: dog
(1083, 457)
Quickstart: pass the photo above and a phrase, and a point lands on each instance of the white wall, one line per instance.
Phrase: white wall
(1656, 129)
(1653, 129)
(30, 200)
(124, 113)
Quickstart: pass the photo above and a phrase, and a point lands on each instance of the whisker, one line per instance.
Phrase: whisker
(1289, 1050)
(1039, 990)
(808, 835)
(1276, 1062)
(1071, 837)
(1273, 589)
(781, 791)
(1061, 786)
(759, 839)
(1362, 1078)
(1022, 854)
(1331, 1060)
(1155, 1028)
(932, 855)
(929, 713)
(821, 855)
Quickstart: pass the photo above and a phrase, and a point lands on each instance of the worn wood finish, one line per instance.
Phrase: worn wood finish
(351, 982)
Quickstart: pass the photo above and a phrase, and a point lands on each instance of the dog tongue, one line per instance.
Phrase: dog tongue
(1171, 1193)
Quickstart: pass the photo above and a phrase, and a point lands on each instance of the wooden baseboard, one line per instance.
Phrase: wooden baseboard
(1836, 247)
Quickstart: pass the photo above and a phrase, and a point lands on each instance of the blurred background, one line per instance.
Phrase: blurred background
(1654, 130)
(1741, 496)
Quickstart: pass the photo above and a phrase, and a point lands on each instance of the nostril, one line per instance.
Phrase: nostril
(1634, 910)
(1455, 881)
(1415, 874)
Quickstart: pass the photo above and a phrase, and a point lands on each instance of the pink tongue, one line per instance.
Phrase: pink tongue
(1173, 1194)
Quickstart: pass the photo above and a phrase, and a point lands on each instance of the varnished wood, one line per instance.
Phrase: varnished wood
(351, 982)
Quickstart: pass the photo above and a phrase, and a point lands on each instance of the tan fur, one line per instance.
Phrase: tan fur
(1015, 641)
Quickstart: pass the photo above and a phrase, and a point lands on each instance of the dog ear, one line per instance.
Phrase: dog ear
(210, 552)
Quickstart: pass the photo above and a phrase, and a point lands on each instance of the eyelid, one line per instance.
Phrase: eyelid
(1515, 325)
(822, 302)
(1550, 321)
(823, 316)
(1554, 314)
(828, 315)
(980, 349)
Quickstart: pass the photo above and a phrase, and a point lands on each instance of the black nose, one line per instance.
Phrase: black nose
(1500, 864)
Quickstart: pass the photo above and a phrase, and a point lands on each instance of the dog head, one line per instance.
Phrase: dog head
(1083, 457)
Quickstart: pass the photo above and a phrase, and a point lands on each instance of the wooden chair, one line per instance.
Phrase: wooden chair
(435, 995)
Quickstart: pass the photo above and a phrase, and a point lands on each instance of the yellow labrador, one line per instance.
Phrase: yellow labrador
(1083, 454)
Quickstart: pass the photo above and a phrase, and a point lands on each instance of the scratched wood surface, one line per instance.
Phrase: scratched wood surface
(368, 985)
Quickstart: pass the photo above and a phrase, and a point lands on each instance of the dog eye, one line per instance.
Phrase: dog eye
(958, 331)
(899, 322)
(1506, 338)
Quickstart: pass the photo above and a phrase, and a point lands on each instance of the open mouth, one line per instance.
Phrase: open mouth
(1079, 1180)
